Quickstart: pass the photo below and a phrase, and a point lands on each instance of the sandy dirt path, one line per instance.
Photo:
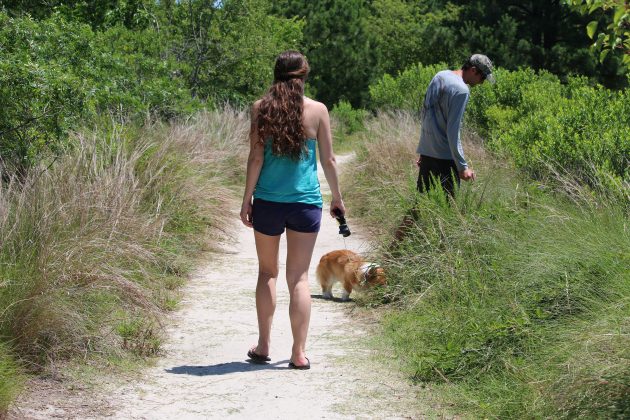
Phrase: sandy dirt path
(205, 374)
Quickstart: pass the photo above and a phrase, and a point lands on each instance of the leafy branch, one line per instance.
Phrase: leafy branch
(615, 35)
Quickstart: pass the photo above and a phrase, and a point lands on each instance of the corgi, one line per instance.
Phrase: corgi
(350, 270)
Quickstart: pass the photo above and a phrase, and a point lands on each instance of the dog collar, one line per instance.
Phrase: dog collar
(366, 270)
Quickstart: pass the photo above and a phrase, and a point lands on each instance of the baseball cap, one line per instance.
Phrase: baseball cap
(484, 65)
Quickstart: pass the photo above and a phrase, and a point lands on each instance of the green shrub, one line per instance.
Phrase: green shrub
(404, 92)
(40, 99)
(131, 73)
(541, 124)
(56, 75)
(586, 135)
(347, 120)
(511, 299)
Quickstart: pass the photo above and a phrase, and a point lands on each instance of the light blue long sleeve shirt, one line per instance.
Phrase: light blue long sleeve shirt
(442, 113)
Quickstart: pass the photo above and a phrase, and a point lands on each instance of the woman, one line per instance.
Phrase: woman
(282, 181)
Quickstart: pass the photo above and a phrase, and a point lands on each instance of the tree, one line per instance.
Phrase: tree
(336, 45)
(613, 20)
(39, 97)
(542, 34)
(133, 14)
(403, 33)
(228, 48)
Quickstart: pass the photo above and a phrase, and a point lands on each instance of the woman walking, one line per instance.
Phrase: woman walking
(282, 191)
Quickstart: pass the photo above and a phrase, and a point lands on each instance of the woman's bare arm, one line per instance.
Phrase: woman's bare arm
(327, 159)
(254, 165)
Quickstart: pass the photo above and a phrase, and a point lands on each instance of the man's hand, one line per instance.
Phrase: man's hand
(467, 175)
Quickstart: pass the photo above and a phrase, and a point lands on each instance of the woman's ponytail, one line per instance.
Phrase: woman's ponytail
(281, 109)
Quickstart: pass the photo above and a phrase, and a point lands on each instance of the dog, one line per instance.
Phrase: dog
(350, 270)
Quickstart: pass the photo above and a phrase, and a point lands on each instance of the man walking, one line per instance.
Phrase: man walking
(441, 156)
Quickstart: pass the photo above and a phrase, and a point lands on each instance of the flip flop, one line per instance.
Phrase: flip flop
(301, 367)
(257, 358)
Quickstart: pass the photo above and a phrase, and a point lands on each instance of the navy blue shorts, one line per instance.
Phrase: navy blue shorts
(270, 217)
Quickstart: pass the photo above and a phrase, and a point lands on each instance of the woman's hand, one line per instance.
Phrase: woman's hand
(246, 213)
(337, 203)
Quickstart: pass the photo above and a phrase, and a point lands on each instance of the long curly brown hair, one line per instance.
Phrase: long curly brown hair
(281, 108)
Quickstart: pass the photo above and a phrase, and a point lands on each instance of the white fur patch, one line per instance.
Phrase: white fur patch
(365, 267)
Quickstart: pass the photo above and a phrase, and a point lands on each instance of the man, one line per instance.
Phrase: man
(441, 156)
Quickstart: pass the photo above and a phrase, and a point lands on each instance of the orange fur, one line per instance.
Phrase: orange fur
(346, 267)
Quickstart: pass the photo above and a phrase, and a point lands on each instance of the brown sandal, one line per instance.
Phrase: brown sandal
(257, 358)
(302, 367)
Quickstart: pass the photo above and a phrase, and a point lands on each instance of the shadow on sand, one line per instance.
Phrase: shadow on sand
(226, 368)
(334, 299)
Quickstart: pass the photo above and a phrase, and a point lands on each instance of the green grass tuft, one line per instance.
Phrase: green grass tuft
(514, 296)
(11, 379)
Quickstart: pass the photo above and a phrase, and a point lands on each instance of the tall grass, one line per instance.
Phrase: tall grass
(11, 379)
(93, 248)
(513, 299)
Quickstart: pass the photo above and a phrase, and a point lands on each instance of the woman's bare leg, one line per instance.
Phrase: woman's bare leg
(299, 252)
(267, 250)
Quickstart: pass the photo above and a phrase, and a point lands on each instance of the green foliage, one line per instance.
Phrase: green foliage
(540, 34)
(395, 28)
(348, 120)
(133, 14)
(533, 118)
(586, 134)
(406, 91)
(126, 59)
(40, 99)
(352, 43)
(615, 35)
(229, 50)
(511, 299)
(11, 380)
(131, 73)
(58, 74)
(336, 45)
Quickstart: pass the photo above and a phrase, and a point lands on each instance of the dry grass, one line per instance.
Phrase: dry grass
(386, 151)
(96, 242)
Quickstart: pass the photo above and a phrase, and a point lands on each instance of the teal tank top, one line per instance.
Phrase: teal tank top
(285, 180)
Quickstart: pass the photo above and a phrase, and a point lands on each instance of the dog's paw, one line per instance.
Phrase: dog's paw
(327, 295)
(345, 296)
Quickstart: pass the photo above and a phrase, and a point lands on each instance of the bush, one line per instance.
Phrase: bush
(40, 99)
(404, 92)
(533, 118)
(130, 73)
(347, 120)
(56, 75)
